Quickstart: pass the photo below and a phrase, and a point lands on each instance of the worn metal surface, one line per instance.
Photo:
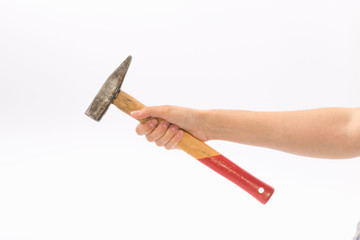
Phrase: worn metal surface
(108, 91)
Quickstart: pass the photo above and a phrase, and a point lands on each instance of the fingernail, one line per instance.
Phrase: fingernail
(180, 134)
(174, 128)
(166, 124)
(135, 113)
(153, 123)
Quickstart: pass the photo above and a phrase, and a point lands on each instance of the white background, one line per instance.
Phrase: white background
(65, 176)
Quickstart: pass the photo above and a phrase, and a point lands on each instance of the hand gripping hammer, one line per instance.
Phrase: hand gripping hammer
(110, 93)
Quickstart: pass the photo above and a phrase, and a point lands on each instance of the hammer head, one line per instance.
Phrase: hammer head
(108, 91)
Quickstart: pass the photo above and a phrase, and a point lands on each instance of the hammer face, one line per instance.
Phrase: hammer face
(108, 91)
(100, 104)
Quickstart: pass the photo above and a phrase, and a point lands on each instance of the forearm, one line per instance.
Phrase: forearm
(325, 133)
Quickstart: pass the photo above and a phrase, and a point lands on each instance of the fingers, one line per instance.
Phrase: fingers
(174, 141)
(158, 132)
(163, 133)
(155, 111)
(170, 133)
(146, 128)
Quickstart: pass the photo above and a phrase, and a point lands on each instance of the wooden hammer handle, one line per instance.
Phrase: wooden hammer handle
(205, 154)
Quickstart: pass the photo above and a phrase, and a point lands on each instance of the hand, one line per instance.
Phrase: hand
(167, 133)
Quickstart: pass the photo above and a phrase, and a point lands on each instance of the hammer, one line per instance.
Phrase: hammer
(110, 93)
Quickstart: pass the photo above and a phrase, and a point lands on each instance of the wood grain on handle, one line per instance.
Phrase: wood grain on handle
(206, 155)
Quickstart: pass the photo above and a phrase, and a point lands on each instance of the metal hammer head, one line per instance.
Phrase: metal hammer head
(108, 91)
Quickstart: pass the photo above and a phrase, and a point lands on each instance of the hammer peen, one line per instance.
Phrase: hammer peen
(110, 93)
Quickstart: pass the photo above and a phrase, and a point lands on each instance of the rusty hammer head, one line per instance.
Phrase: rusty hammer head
(108, 91)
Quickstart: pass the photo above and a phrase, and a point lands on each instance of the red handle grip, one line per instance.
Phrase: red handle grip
(258, 189)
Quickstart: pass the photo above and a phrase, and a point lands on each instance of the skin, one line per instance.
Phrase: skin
(324, 133)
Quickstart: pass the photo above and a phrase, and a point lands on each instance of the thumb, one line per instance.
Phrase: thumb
(154, 111)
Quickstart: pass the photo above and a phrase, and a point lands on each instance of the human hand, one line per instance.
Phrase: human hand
(167, 132)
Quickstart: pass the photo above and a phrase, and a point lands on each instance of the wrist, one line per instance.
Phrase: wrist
(206, 124)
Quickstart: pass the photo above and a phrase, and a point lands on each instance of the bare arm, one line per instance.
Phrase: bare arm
(324, 133)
